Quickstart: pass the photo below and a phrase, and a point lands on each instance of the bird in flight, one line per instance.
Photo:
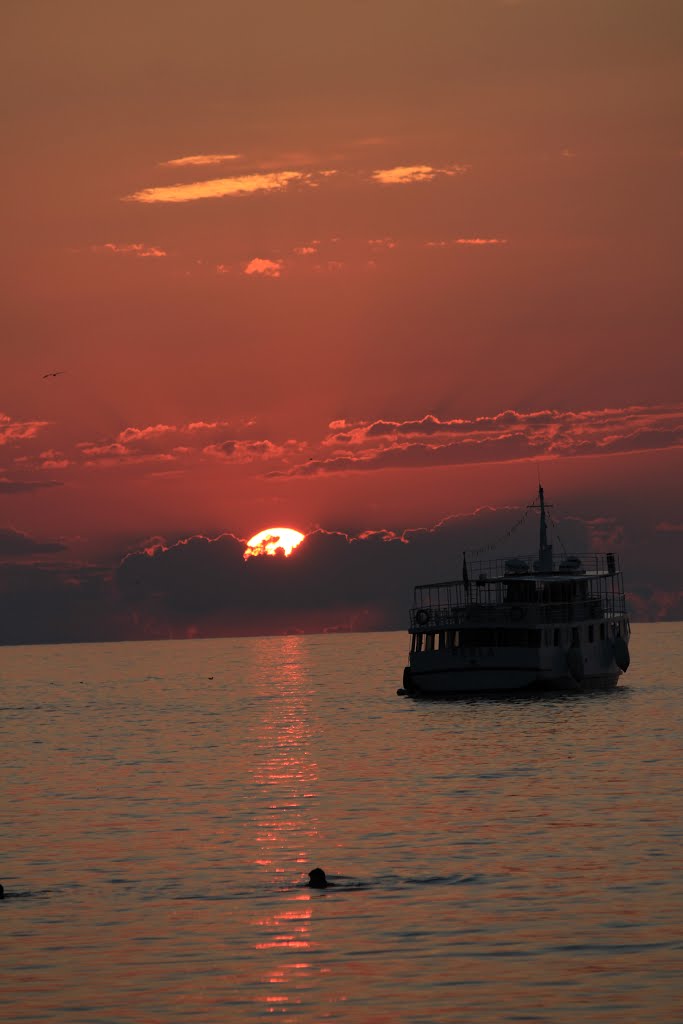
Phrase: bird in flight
(57, 373)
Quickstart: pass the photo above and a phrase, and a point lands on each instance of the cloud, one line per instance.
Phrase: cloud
(200, 159)
(14, 544)
(202, 586)
(48, 459)
(669, 527)
(449, 244)
(218, 188)
(129, 249)
(265, 268)
(26, 486)
(506, 436)
(250, 451)
(165, 442)
(12, 430)
(157, 438)
(134, 434)
(403, 175)
(481, 241)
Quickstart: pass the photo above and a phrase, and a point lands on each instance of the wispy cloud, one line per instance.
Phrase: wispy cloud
(264, 268)
(15, 544)
(667, 527)
(12, 430)
(200, 160)
(218, 188)
(159, 442)
(48, 459)
(481, 241)
(129, 249)
(507, 436)
(451, 243)
(405, 175)
(25, 486)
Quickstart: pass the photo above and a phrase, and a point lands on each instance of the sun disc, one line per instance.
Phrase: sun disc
(273, 540)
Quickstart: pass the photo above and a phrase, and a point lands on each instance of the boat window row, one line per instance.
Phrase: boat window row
(450, 639)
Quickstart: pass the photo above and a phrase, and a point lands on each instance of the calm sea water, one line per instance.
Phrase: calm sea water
(495, 861)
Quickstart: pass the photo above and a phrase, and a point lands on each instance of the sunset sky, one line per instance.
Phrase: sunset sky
(353, 268)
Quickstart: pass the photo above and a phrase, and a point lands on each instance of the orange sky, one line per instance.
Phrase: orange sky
(351, 266)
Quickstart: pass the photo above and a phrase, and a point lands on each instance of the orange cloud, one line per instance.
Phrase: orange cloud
(266, 268)
(218, 188)
(129, 249)
(418, 172)
(200, 159)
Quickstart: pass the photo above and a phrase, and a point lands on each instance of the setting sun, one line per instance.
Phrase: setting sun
(269, 542)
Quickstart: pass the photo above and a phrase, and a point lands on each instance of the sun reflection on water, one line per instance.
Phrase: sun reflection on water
(286, 827)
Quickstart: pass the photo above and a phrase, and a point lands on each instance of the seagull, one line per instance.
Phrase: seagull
(58, 373)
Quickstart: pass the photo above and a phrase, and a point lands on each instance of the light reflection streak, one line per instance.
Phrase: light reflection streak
(286, 827)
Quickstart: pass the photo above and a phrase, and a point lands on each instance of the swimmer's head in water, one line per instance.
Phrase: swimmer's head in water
(317, 879)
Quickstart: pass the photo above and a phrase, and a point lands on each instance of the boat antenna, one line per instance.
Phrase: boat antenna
(545, 550)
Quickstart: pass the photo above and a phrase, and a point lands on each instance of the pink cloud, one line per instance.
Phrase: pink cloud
(129, 249)
(19, 430)
(506, 436)
(481, 241)
(250, 451)
(448, 244)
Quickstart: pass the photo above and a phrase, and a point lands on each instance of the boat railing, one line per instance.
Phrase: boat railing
(579, 564)
(523, 614)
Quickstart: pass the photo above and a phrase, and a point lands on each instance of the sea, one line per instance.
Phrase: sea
(499, 860)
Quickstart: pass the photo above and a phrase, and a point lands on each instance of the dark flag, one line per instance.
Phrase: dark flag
(465, 574)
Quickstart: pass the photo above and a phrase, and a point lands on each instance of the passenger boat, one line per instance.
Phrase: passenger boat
(520, 624)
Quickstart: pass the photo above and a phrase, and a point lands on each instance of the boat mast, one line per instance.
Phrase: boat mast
(545, 550)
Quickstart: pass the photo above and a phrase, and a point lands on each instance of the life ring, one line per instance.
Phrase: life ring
(422, 617)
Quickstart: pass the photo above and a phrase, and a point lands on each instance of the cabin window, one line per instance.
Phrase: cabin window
(429, 646)
(556, 638)
(575, 636)
(602, 630)
(442, 641)
(591, 634)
